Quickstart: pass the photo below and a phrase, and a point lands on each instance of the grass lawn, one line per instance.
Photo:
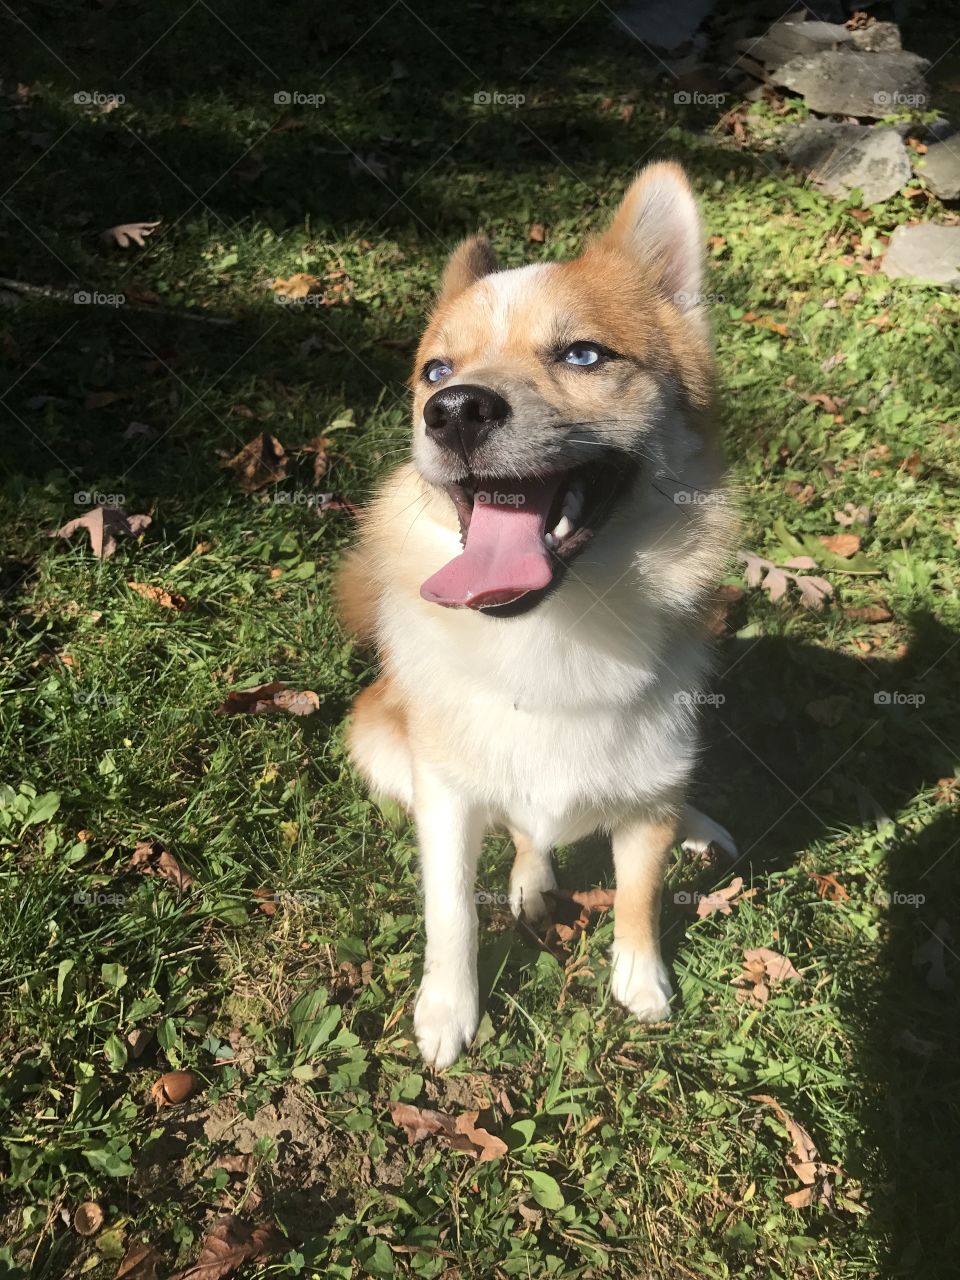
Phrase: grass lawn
(831, 746)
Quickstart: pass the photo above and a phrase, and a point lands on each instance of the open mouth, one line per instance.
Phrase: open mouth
(519, 535)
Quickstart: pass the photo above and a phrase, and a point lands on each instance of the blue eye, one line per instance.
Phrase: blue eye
(581, 354)
(436, 370)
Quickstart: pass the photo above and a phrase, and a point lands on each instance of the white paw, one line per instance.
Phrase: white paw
(639, 981)
(700, 832)
(445, 1019)
(527, 888)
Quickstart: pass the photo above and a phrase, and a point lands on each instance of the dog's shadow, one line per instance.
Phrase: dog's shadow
(803, 743)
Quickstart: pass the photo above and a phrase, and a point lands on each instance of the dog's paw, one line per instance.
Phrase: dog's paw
(445, 1020)
(639, 981)
(700, 832)
(527, 888)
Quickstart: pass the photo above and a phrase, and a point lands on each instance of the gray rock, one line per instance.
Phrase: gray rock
(845, 83)
(666, 24)
(841, 157)
(925, 252)
(940, 169)
(785, 40)
(877, 38)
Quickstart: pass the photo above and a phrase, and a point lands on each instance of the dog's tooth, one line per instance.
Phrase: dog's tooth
(550, 540)
(573, 503)
(561, 530)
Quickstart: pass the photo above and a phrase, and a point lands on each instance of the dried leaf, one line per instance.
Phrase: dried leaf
(263, 699)
(168, 600)
(319, 447)
(537, 233)
(150, 858)
(813, 591)
(104, 526)
(127, 233)
(261, 461)
(722, 900)
(777, 967)
(229, 1244)
(842, 544)
(868, 613)
(137, 1040)
(88, 1218)
(801, 1199)
(829, 887)
(461, 1133)
(300, 285)
(141, 1262)
(174, 1087)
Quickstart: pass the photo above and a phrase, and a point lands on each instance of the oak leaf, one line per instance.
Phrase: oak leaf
(104, 525)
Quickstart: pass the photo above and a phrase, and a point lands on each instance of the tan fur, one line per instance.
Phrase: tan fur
(571, 717)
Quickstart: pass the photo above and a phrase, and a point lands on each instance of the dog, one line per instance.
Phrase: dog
(537, 582)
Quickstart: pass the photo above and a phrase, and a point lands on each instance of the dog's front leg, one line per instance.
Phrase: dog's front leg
(450, 829)
(639, 977)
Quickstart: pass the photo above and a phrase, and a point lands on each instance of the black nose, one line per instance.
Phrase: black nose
(460, 418)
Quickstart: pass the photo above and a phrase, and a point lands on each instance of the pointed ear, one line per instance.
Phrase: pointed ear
(659, 225)
(472, 259)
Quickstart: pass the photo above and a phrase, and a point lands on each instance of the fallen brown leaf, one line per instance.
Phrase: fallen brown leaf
(300, 285)
(803, 1160)
(723, 900)
(141, 1262)
(127, 233)
(104, 525)
(264, 699)
(137, 1040)
(868, 613)
(829, 887)
(319, 447)
(842, 544)
(261, 461)
(150, 858)
(537, 233)
(761, 967)
(229, 1244)
(460, 1133)
(167, 599)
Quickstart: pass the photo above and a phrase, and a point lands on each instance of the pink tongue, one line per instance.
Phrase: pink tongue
(505, 555)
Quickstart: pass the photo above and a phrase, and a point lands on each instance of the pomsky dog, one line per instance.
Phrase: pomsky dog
(537, 581)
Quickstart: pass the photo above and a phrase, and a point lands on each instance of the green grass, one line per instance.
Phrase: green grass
(633, 1151)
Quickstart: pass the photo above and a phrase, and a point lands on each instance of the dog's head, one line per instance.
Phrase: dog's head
(543, 394)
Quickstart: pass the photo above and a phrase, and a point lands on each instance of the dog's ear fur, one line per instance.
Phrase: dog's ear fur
(472, 259)
(658, 224)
